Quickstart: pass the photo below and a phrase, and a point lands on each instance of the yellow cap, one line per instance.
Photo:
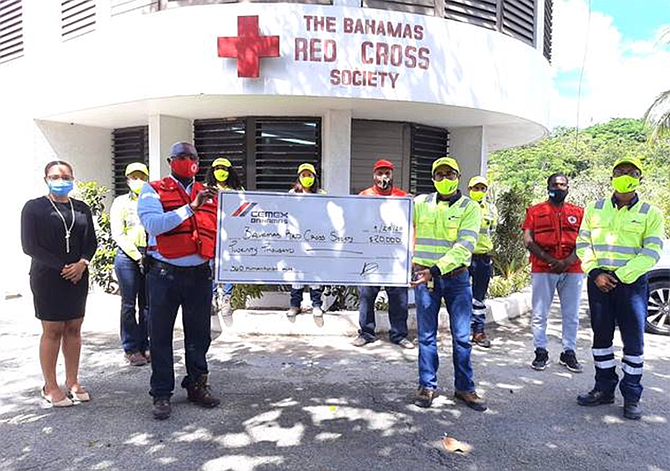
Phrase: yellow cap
(137, 167)
(445, 161)
(222, 161)
(476, 180)
(629, 160)
(306, 166)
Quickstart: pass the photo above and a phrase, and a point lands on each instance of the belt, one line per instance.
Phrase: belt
(153, 263)
(480, 256)
(454, 273)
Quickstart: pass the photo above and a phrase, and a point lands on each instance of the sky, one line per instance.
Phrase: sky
(620, 54)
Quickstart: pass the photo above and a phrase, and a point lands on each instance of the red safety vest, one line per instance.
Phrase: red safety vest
(555, 230)
(197, 234)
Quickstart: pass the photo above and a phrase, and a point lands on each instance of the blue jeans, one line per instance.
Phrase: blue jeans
(569, 287)
(167, 291)
(457, 295)
(397, 312)
(480, 271)
(625, 306)
(134, 331)
(315, 293)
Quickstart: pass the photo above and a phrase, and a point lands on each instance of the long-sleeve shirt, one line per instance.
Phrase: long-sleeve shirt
(127, 231)
(157, 221)
(43, 233)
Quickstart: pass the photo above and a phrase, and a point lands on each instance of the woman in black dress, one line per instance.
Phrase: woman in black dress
(57, 232)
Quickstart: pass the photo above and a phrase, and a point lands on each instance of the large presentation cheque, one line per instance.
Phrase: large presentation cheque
(279, 238)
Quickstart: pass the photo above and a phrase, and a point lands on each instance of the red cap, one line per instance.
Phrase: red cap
(381, 163)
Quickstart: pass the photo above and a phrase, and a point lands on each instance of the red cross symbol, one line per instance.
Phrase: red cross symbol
(248, 47)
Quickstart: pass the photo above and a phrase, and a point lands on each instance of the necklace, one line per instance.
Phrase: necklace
(68, 230)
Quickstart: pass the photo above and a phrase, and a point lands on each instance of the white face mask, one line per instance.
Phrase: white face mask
(136, 186)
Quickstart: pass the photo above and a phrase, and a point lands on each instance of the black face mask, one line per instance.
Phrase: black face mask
(558, 196)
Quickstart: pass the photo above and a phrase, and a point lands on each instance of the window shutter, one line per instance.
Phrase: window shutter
(133, 7)
(128, 145)
(482, 13)
(11, 29)
(428, 144)
(216, 138)
(548, 10)
(518, 20)
(77, 18)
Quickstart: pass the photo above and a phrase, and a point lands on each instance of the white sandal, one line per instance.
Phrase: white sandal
(65, 402)
(79, 396)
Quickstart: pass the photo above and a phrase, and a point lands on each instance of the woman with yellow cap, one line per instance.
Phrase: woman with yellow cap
(223, 176)
(131, 240)
(307, 182)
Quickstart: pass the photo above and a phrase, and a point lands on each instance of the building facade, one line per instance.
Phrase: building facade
(339, 83)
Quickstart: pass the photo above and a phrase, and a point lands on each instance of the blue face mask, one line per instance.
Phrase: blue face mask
(60, 187)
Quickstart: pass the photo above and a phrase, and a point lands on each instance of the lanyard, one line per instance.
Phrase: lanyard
(68, 230)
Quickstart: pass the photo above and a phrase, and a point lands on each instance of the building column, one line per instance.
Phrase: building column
(468, 146)
(336, 151)
(163, 132)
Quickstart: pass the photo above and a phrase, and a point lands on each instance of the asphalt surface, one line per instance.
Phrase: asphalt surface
(317, 403)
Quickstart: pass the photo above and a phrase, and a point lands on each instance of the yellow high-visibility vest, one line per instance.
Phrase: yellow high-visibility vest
(627, 241)
(446, 234)
(489, 223)
(126, 228)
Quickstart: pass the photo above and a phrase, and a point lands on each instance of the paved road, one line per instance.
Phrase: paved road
(298, 403)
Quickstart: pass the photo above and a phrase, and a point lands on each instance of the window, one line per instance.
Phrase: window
(11, 29)
(427, 144)
(548, 7)
(266, 152)
(128, 145)
(77, 18)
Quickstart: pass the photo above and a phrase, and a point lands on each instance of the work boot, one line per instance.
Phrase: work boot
(424, 397)
(472, 400)
(632, 410)
(161, 408)
(595, 397)
(226, 306)
(541, 359)
(200, 393)
(481, 340)
(569, 360)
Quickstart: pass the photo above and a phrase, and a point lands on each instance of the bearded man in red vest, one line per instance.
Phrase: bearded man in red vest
(179, 215)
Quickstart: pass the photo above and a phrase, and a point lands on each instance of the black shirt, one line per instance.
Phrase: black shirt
(43, 233)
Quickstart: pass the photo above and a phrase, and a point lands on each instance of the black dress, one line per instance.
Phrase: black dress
(43, 238)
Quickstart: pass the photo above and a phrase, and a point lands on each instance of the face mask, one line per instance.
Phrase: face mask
(136, 186)
(306, 182)
(60, 187)
(557, 196)
(478, 196)
(445, 186)
(625, 183)
(185, 168)
(221, 175)
(384, 182)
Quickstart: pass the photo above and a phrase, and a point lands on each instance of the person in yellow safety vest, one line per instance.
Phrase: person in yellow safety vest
(446, 227)
(619, 241)
(480, 268)
(131, 240)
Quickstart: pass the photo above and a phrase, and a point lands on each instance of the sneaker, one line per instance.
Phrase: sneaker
(472, 400)
(424, 397)
(541, 359)
(292, 312)
(595, 397)
(147, 355)
(161, 408)
(135, 359)
(632, 410)
(317, 311)
(361, 340)
(406, 344)
(200, 393)
(569, 360)
(481, 340)
(226, 306)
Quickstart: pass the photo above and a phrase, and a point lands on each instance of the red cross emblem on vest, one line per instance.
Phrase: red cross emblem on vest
(248, 47)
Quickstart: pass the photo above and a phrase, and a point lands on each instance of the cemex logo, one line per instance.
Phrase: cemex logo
(259, 216)
(248, 47)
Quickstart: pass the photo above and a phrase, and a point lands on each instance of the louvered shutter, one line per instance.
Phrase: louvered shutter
(122, 7)
(518, 20)
(428, 144)
(216, 138)
(77, 18)
(128, 145)
(482, 13)
(548, 10)
(11, 29)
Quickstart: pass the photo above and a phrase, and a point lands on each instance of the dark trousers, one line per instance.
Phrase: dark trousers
(397, 312)
(480, 272)
(625, 306)
(167, 290)
(134, 330)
